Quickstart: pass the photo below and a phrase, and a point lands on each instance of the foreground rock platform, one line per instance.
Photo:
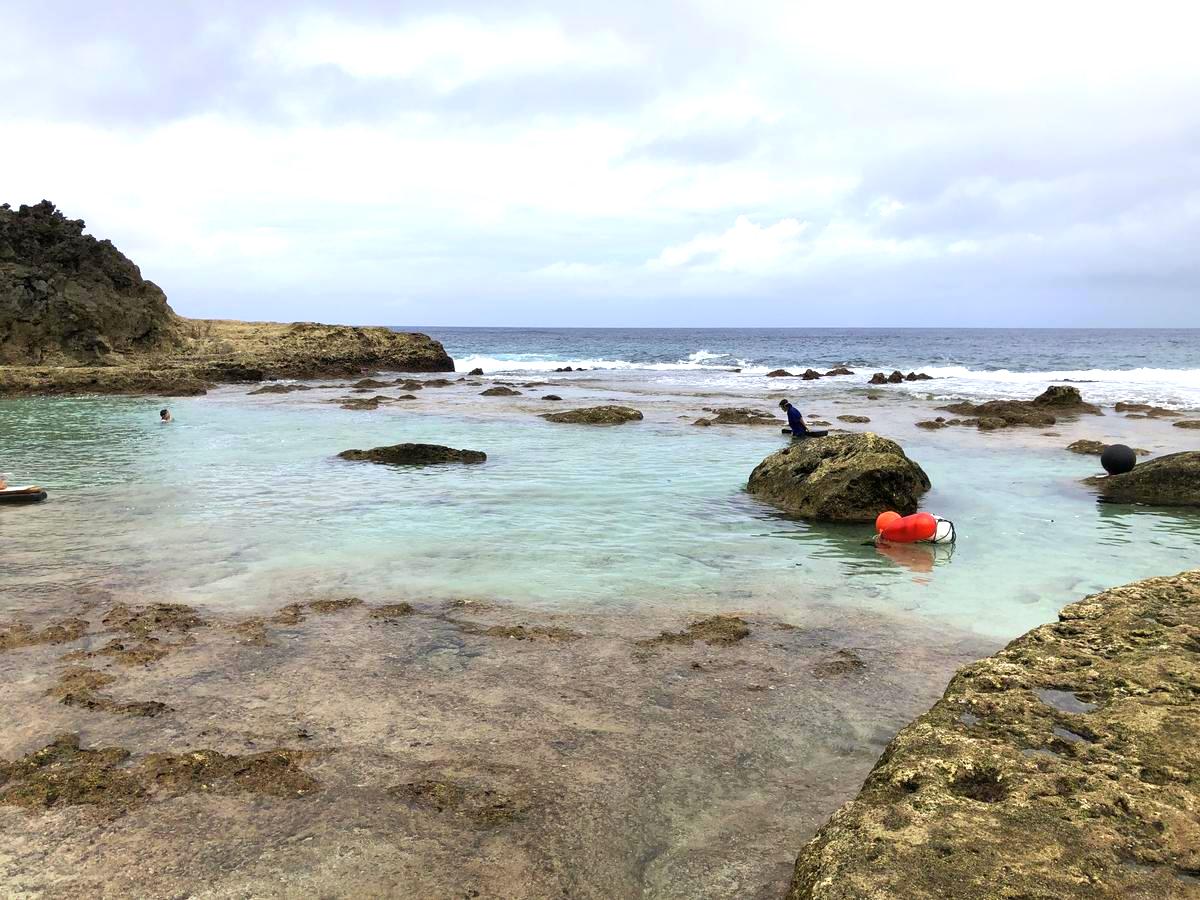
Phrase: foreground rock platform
(848, 477)
(1067, 765)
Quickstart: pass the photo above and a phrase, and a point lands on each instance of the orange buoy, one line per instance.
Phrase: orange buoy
(920, 527)
(885, 519)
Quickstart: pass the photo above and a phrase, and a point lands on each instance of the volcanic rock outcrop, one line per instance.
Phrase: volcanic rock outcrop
(76, 316)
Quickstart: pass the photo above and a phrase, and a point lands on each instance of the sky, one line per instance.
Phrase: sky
(626, 163)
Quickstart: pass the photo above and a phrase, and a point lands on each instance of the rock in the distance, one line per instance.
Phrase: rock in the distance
(414, 455)
(500, 391)
(595, 415)
(846, 477)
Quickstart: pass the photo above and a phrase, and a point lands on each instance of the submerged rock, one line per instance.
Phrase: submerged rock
(279, 389)
(1063, 766)
(414, 455)
(845, 477)
(551, 397)
(716, 631)
(595, 415)
(1187, 423)
(500, 391)
(1171, 480)
(854, 420)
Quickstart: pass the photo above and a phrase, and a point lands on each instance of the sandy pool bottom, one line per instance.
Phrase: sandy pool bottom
(438, 749)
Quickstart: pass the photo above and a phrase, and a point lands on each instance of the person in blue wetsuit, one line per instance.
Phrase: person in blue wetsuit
(795, 420)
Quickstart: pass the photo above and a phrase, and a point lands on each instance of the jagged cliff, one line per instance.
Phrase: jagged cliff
(76, 316)
(69, 299)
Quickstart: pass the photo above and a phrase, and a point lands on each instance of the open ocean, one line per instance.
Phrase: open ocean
(1155, 365)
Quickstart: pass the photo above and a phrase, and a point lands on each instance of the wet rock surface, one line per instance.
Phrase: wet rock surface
(854, 420)
(847, 477)
(1064, 766)
(500, 391)
(414, 455)
(595, 415)
(1171, 480)
(444, 749)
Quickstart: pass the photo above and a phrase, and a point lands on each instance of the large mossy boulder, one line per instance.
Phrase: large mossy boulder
(1172, 480)
(595, 415)
(414, 455)
(1064, 766)
(840, 478)
(67, 298)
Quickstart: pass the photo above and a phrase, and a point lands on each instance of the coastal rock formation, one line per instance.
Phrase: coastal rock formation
(69, 299)
(840, 370)
(1171, 480)
(846, 477)
(551, 397)
(1063, 766)
(595, 415)
(414, 455)
(76, 316)
(780, 373)
(1039, 412)
(739, 416)
(500, 391)
(811, 375)
(1146, 411)
(854, 420)
(279, 389)
(1187, 423)
(475, 372)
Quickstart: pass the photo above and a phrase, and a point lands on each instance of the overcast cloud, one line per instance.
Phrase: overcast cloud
(669, 163)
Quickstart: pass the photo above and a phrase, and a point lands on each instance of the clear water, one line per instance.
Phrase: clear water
(241, 503)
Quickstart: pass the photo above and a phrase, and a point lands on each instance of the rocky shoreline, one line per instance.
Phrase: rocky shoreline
(77, 317)
(1066, 765)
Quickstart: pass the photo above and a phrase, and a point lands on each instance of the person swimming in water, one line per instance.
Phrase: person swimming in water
(795, 420)
(164, 416)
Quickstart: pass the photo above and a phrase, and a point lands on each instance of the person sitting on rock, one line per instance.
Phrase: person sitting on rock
(164, 416)
(795, 420)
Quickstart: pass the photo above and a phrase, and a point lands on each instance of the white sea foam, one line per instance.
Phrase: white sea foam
(1179, 388)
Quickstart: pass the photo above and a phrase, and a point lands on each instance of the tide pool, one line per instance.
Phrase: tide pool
(241, 504)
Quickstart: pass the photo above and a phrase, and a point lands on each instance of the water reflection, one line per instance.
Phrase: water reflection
(920, 558)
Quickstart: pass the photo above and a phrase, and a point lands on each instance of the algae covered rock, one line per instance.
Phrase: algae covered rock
(1171, 480)
(739, 416)
(414, 455)
(595, 415)
(1064, 766)
(1086, 447)
(500, 391)
(847, 477)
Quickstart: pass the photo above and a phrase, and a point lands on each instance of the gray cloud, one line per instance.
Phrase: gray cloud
(926, 166)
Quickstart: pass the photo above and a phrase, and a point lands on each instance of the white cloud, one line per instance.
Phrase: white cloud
(746, 247)
(445, 51)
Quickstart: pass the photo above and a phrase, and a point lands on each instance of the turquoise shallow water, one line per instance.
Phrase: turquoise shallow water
(241, 503)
